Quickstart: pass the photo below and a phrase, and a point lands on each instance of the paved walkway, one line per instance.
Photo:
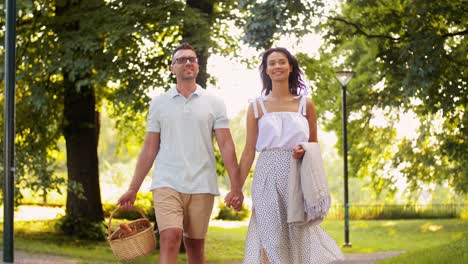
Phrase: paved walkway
(368, 258)
(26, 258)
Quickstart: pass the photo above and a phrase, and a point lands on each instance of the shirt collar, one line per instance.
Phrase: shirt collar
(173, 91)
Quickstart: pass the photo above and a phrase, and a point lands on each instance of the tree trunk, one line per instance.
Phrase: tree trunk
(80, 125)
(202, 77)
(81, 131)
(199, 36)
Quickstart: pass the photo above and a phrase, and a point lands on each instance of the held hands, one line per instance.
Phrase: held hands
(298, 152)
(127, 200)
(234, 199)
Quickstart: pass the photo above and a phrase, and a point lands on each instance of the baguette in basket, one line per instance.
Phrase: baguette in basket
(133, 239)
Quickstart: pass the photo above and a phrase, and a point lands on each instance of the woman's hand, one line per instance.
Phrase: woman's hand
(298, 152)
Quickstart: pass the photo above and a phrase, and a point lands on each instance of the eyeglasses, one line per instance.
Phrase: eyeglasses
(183, 60)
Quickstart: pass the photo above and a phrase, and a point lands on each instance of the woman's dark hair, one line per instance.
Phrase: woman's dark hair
(296, 83)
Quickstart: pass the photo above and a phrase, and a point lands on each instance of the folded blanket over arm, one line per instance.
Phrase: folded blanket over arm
(308, 194)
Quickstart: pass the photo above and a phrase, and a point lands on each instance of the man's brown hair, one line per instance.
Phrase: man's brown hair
(183, 46)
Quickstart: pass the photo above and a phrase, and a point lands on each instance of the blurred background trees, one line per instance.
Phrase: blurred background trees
(410, 64)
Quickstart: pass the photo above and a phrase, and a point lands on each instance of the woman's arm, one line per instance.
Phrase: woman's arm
(312, 119)
(248, 155)
(311, 115)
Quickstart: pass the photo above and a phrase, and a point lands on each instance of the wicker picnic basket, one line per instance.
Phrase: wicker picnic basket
(141, 241)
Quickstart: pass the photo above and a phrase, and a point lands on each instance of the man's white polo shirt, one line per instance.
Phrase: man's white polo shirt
(185, 161)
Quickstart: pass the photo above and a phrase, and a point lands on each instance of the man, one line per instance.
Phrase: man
(179, 140)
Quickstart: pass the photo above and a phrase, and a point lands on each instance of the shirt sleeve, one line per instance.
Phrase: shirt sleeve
(153, 118)
(221, 119)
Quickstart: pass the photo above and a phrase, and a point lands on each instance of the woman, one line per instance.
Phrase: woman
(276, 123)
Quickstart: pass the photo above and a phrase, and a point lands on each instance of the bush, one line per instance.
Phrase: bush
(226, 213)
(399, 211)
(464, 213)
(81, 228)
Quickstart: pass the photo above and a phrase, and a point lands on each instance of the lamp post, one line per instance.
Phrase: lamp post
(9, 132)
(344, 77)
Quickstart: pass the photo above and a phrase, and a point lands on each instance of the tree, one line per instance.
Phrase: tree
(409, 58)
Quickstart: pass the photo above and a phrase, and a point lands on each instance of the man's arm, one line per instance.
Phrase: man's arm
(145, 160)
(228, 153)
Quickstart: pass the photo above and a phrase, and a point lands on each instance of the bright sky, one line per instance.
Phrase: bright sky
(235, 83)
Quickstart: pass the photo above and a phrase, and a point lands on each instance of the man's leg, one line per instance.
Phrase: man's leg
(197, 214)
(169, 217)
(195, 249)
(169, 245)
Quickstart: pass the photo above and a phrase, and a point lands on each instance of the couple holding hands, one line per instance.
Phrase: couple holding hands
(179, 142)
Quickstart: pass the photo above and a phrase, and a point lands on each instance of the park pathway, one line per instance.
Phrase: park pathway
(368, 258)
(22, 257)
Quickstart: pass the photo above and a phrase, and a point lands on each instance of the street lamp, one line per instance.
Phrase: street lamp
(9, 131)
(344, 77)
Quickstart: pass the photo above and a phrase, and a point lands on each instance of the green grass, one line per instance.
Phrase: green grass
(225, 244)
(450, 253)
(390, 235)
(417, 237)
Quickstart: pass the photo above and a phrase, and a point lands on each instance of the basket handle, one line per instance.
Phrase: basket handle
(116, 209)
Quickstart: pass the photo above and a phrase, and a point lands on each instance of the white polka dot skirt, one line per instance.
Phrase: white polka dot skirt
(268, 229)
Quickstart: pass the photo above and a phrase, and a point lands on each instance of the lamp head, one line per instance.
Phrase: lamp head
(344, 77)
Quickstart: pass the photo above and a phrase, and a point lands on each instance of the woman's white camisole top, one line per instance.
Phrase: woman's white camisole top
(281, 130)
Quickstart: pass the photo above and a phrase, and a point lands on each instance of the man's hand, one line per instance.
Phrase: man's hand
(298, 152)
(127, 200)
(234, 199)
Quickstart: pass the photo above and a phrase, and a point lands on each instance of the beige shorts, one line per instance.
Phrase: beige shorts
(189, 212)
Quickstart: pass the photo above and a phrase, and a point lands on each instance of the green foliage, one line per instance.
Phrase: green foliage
(220, 169)
(226, 213)
(81, 228)
(408, 58)
(267, 20)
